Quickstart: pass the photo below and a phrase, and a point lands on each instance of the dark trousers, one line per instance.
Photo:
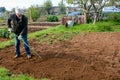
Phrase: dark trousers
(25, 42)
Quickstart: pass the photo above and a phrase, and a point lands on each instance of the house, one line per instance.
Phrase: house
(110, 9)
(55, 10)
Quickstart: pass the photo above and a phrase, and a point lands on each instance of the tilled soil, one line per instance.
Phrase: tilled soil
(91, 56)
(3, 39)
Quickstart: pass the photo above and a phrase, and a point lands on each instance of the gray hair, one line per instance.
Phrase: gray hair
(19, 11)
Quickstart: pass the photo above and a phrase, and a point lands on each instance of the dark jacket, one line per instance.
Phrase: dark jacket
(19, 25)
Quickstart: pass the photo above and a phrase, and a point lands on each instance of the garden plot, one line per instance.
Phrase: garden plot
(93, 56)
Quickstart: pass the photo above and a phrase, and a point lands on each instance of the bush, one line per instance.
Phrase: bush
(113, 17)
(52, 18)
(4, 33)
(105, 26)
(33, 13)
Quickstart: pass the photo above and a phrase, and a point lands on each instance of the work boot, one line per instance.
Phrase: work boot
(28, 56)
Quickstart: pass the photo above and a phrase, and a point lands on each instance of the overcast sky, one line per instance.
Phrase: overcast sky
(9, 4)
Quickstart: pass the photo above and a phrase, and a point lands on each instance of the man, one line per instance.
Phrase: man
(20, 23)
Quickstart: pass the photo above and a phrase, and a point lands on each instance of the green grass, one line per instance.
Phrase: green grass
(58, 33)
(6, 75)
(6, 43)
(61, 33)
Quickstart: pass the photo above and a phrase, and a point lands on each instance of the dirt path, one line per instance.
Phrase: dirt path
(37, 28)
(95, 56)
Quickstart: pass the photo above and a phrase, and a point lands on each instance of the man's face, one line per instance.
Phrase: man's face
(19, 16)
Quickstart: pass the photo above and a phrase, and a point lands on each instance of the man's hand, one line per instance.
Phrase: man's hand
(20, 37)
(10, 30)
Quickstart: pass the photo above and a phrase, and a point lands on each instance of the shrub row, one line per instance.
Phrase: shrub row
(4, 33)
(112, 16)
(52, 18)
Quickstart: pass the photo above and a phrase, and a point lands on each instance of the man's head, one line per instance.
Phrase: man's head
(19, 12)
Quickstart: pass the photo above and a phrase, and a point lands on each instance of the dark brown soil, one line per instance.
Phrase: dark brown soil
(3, 39)
(94, 56)
(37, 28)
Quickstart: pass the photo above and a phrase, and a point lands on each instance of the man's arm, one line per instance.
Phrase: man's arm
(9, 21)
(25, 26)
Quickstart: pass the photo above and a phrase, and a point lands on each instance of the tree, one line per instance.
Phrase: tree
(48, 6)
(90, 5)
(12, 10)
(113, 2)
(2, 9)
(33, 13)
(62, 7)
(84, 5)
(97, 7)
(43, 11)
